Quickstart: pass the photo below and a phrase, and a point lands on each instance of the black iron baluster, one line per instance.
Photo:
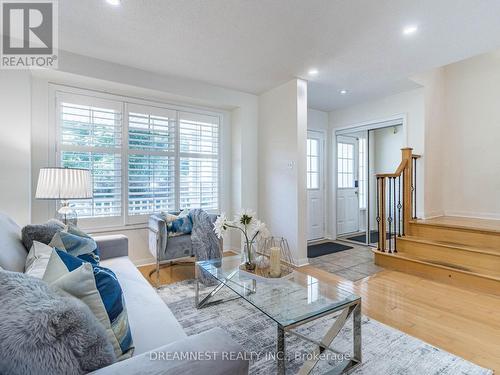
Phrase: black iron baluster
(378, 212)
(389, 217)
(403, 174)
(395, 217)
(399, 205)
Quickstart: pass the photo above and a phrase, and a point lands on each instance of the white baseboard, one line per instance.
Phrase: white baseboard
(432, 214)
(302, 262)
(474, 215)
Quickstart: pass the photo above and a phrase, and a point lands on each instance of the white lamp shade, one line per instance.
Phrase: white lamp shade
(64, 183)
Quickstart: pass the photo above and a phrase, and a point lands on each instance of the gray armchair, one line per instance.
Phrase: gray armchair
(168, 249)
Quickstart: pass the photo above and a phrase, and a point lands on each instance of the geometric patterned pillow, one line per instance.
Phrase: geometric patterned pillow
(97, 287)
(77, 243)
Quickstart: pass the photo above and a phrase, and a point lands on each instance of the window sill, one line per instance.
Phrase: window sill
(119, 228)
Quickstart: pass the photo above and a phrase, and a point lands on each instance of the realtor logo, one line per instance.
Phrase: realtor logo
(29, 34)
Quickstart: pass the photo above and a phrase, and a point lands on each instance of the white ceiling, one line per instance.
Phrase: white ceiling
(255, 45)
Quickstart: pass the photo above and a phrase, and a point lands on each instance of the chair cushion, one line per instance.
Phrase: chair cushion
(12, 251)
(99, 288)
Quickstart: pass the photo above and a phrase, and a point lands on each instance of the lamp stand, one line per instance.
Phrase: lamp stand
(67, 214)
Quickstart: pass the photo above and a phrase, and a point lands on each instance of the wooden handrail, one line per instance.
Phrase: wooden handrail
(398, 172)
(395, 200)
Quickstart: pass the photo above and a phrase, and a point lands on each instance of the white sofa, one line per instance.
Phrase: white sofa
(154, 327)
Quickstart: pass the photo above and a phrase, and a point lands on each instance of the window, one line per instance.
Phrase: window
(90, 137)
(151, 159)
(345, 167)
(199, 145)
(143, 158)
(362, 173)
(313, 163)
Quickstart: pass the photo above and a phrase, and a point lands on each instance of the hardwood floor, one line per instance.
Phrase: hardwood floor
(459, 321)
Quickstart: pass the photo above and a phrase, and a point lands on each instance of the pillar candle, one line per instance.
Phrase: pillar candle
(275, 258)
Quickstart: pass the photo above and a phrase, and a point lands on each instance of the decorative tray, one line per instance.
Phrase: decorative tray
(263, 274)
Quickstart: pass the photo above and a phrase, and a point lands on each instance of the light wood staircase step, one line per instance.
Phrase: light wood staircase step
(467, 276)
(479, 259)
(475, 233)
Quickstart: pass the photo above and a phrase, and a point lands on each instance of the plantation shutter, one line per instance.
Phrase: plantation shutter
(90, 137)
(151, 159)
(198, 161)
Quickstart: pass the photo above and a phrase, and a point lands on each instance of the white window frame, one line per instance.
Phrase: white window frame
(134, 221)
(363, 172)
(316, 174)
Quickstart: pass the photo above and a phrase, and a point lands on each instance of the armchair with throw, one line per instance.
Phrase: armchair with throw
(167, 248)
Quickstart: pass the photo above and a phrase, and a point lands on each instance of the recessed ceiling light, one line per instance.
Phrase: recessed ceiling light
(343, 92)
(409, 30)
(313, 72)
(114, 2)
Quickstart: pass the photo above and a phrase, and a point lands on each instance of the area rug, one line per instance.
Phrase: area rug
(386, 351)
(318, 250)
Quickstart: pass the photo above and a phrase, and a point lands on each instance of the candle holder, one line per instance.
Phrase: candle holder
(287, 261)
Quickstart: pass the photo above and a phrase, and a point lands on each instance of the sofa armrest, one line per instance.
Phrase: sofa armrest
(217, 354)
(112, 246)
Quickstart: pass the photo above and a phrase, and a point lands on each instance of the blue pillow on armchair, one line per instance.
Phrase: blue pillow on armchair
(182, 225)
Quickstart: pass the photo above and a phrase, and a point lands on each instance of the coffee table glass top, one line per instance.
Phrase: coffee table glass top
(288, 301)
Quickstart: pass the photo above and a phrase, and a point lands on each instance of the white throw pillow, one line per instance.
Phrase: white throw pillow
(37, 259)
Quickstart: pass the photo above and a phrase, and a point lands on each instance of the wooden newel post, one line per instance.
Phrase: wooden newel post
(407, 190)
(382, 231)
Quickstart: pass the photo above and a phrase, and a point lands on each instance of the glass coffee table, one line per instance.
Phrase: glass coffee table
(291, 302)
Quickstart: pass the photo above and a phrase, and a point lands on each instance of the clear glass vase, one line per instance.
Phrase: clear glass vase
(248, 256)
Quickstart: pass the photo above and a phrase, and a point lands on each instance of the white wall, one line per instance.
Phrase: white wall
(240, 130)
(433, 154)
(386, 144)
(15, 144)
(471, 183)
(282, 164)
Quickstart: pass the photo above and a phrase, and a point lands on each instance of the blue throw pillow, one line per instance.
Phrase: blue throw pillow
(183, 225)
(99, 288)
(77, 243)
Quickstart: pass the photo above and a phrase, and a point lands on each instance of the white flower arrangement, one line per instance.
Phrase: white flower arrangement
(246, 222)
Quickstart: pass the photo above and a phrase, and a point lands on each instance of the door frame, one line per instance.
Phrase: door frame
(397, 119)
(324, 156)
(355, 141)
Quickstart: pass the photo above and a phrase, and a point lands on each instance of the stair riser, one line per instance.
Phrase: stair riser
(473, 238)
(460, 257)
(429, 271)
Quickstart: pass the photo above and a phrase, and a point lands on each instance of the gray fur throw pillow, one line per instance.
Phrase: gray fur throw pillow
(44, 331)
(40, 232)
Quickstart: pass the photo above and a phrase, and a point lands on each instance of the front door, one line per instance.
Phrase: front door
(347, 185)
(315, 185)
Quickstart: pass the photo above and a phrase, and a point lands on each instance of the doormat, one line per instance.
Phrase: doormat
(314, 251)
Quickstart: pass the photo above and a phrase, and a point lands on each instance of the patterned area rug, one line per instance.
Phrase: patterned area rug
(386, 351)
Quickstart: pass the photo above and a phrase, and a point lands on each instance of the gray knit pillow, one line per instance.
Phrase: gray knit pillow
(40, 232)
(45, 331)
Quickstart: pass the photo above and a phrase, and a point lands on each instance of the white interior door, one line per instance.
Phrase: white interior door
(315, 185)
(347, 186)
